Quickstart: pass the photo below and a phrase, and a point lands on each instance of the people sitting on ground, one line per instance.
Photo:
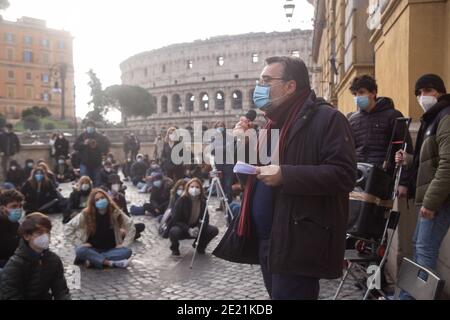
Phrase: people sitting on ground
(78, 198)
(175, 194)
(29, 166)
(63, 172)
(34, 272)
(115, 189)
(11, 202)
(102, 233)
(159, 195)
(153, 170)
(44, 166)
(138, 171)
(187, 218)
(40, 193)
(15, 174)
(115, 164)
(106, 171)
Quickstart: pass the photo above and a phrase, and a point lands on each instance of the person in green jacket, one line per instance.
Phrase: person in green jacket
(431, 164)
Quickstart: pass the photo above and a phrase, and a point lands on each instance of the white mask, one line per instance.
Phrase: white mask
(173, 137)
(42, 242)
(179, 192)
(85, 187)
(115, 187)
(427, 102)
(194, 191)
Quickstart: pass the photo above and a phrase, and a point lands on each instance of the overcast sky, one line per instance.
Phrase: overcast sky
(106, 32)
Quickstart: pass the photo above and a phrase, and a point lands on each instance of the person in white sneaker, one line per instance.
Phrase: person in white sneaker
(98, 233)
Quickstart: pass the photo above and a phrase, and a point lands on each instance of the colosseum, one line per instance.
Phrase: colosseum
(207, 80)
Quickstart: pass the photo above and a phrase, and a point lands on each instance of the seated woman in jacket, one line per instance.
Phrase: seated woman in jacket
(187, 219)
(78, 198)
(175, 194)
(40, 193)
(159, 196)
(102, 233)
(29, 166)
(11, 211)
(34, 272)
(63, 172)
(138, 171)
(15, 174)
(44, 166)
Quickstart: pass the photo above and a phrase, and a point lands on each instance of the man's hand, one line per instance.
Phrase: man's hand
(402, 192)
(87, 245)
(86, 141)
(270, 175)
(427, 214)
(119, 246)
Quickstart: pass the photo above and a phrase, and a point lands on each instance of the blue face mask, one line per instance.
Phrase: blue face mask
(261, 96)
(14, 215)
(157, 183)
(101, 204)
(39, 177)
(90, 130)
(220, 130)
(362, 102)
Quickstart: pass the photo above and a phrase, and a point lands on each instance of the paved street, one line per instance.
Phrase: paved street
(156, 275)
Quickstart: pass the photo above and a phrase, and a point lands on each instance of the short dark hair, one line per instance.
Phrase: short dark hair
(294, 69)
(90, 123)
(34, 222)
(9, 126)
(9, 196)
(364, 82)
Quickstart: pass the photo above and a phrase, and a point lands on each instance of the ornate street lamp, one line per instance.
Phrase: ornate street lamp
(59, 74)
(289, 8)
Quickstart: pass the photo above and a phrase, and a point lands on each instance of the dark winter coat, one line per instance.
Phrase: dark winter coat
(92, 157)
(182, 212)
(9, 239)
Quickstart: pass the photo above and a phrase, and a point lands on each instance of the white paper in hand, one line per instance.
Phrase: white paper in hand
(244, 168)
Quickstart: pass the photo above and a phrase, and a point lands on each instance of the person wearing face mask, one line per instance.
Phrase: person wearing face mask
(15, 174)
(296, 208)
(10, 214)
(101, 233)
(62, 171)
(187, 216)
(175, 194)
(40, 193)
(34, 272)
(78, 198)
(372, 127)
(171, 170)
(61, 146)
(106, 172)
(9, 146)
(159, 195)
(154, 169)
(138, 171)
(29, 166)
(430, 182)
(92, 146)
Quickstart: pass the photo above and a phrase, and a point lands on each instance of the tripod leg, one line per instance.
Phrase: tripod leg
(227, 205)
(203, 222)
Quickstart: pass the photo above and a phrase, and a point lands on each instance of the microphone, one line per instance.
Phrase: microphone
(251, 115)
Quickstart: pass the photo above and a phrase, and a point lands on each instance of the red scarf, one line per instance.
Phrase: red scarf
(277, 119)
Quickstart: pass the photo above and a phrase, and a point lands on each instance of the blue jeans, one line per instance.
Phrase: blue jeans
(427, 241)
(286, 287)
(96, 257)
(94, 174)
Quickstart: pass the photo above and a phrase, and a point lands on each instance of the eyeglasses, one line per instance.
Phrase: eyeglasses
(267, 79)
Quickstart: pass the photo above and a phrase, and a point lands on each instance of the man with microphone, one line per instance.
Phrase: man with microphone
(298, 206)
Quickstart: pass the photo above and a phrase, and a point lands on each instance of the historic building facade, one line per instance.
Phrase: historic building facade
(208, 80)
(31, 58)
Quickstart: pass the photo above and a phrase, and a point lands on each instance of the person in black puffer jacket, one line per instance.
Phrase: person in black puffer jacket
(34, 272)
(372, 126)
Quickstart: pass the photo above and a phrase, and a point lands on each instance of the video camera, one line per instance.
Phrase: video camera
(214, 173)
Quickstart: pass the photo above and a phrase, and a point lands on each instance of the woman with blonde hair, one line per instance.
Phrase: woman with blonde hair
(187, 218)
(102, 233)
(173, 171)
(78, 198)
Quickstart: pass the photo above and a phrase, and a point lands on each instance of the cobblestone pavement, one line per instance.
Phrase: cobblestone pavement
(156, 275)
